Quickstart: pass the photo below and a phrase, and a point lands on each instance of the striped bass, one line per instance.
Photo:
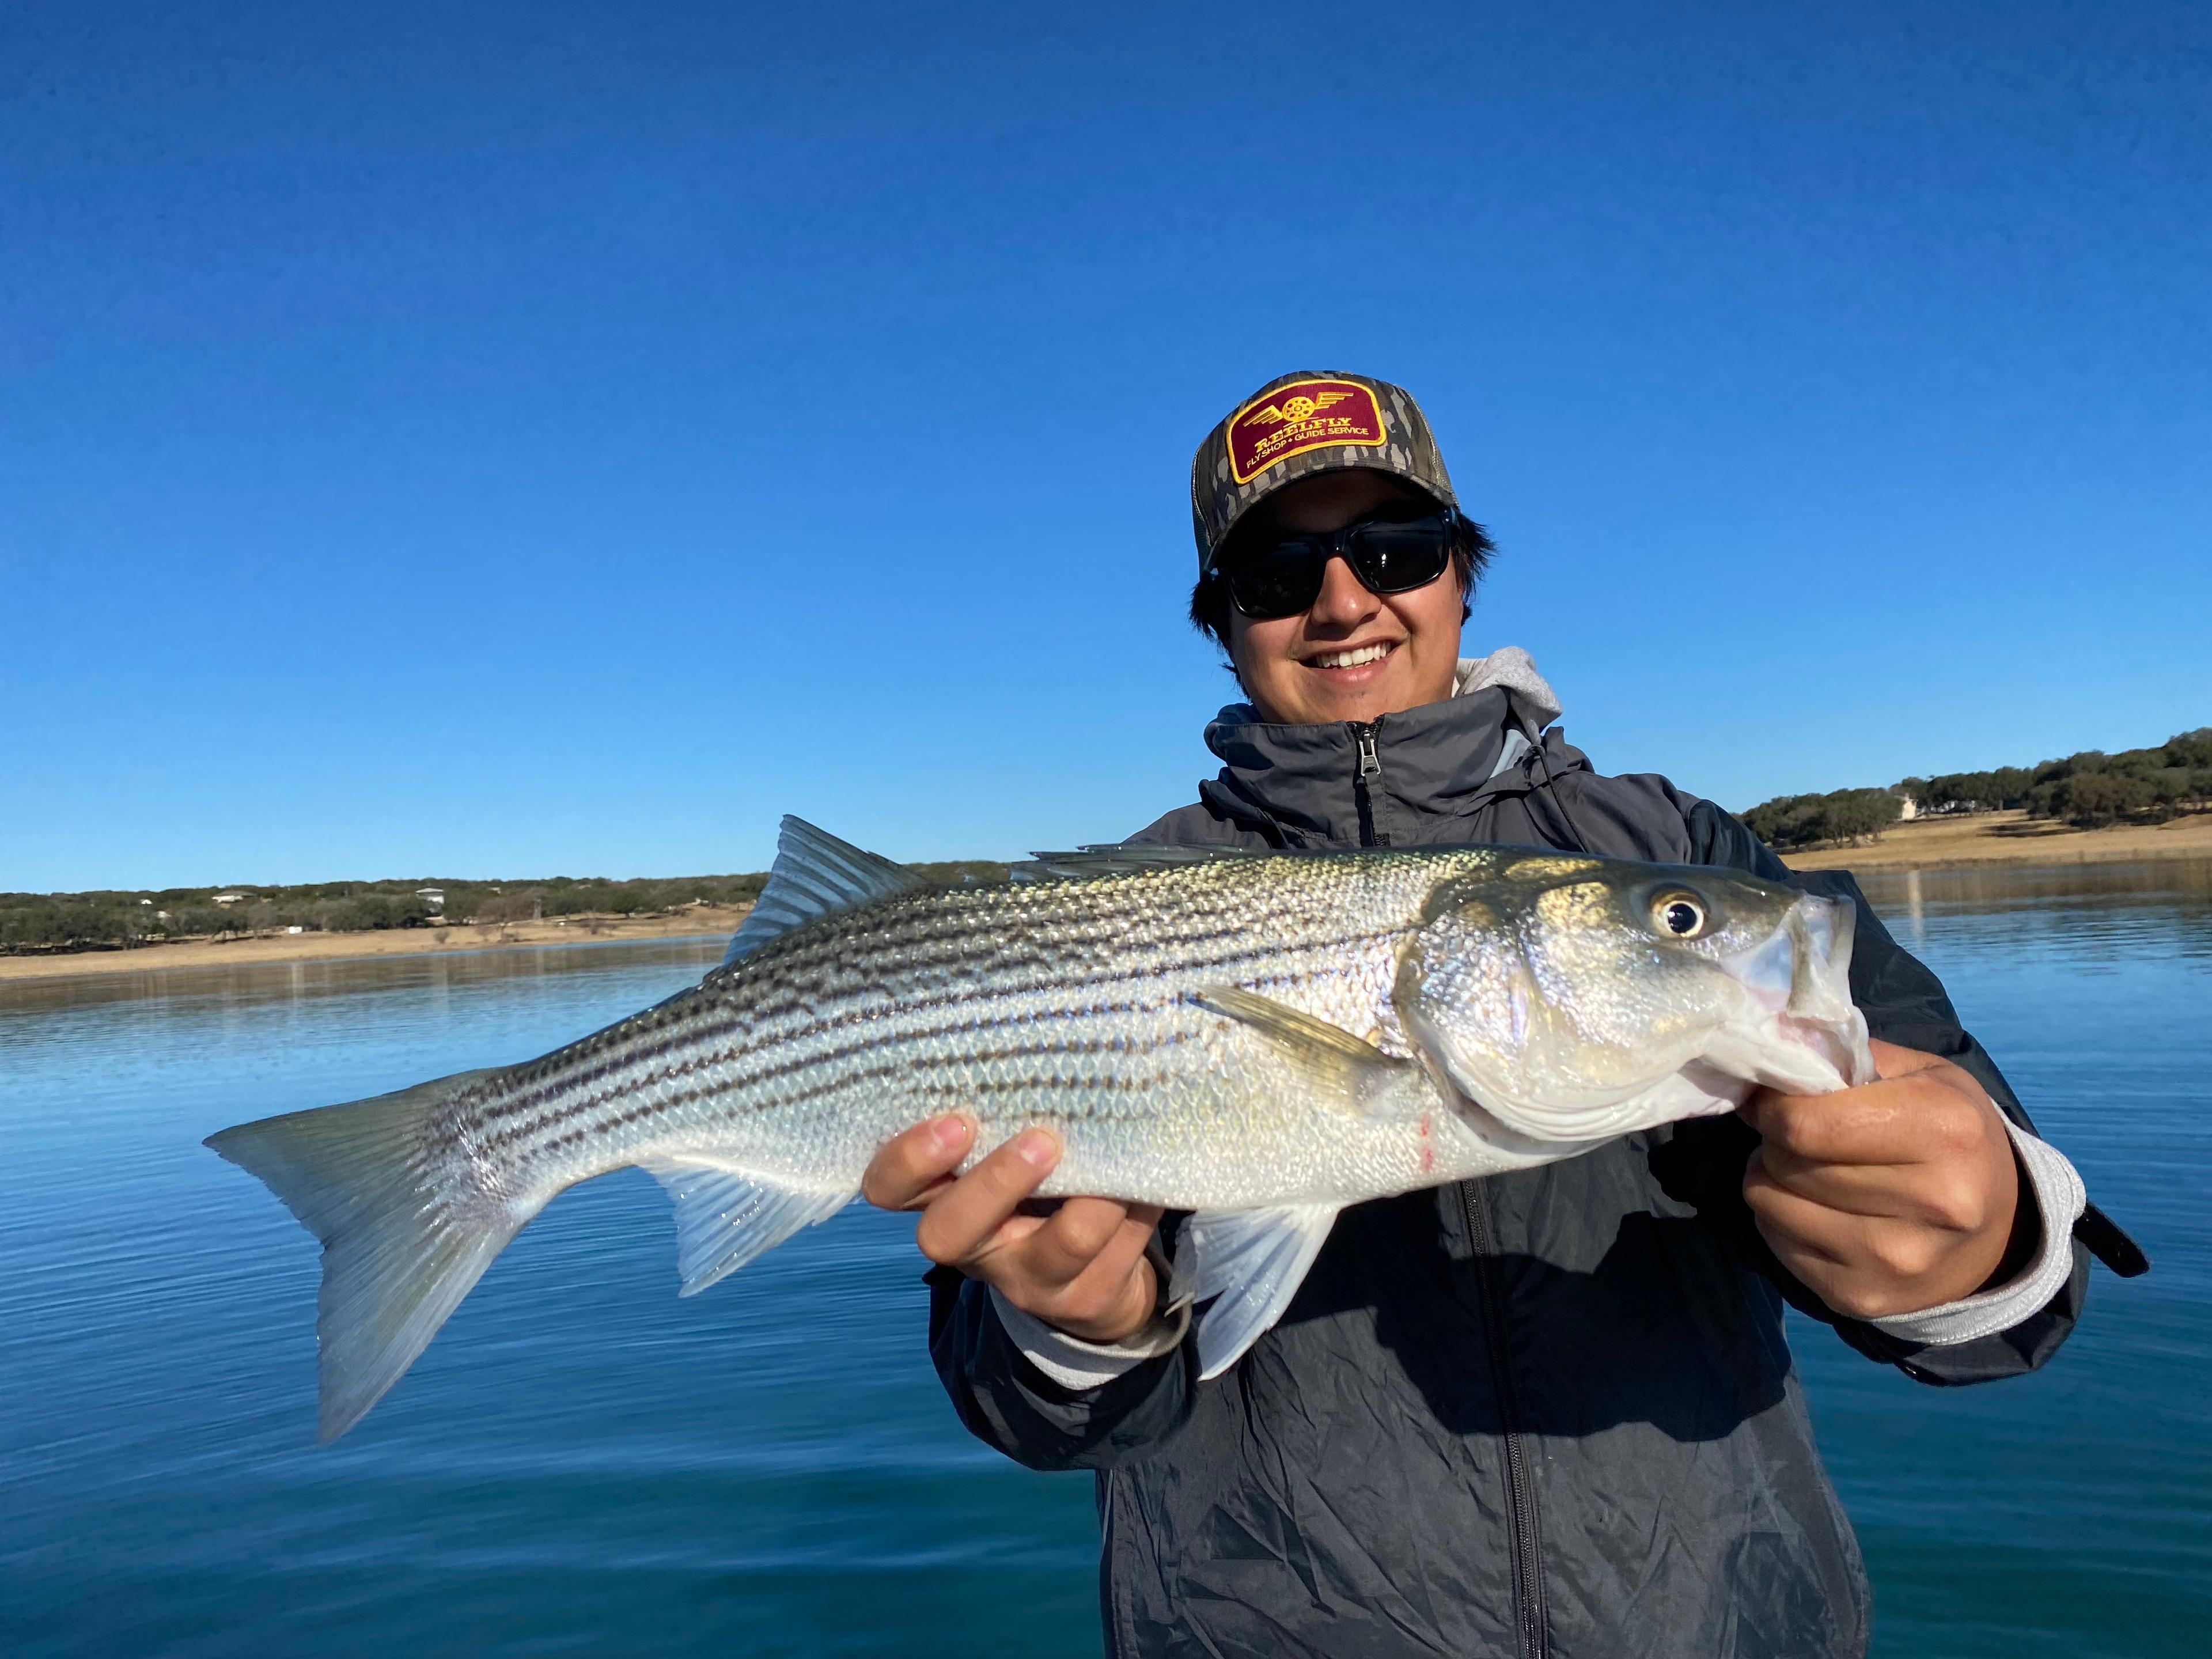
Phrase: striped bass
(1261, 1039)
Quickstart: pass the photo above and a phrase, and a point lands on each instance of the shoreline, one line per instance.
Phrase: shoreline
(1982, 839)
(2011, 838)
(702, 922)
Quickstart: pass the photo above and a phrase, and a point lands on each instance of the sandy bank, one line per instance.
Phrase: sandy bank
(2012, 838)
(702, 920)
(1924, 844)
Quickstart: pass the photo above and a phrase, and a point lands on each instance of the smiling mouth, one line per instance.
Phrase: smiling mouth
(1357, 657)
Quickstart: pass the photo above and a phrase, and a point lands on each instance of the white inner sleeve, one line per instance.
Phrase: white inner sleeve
(1074, 1363)
(2058, 1193)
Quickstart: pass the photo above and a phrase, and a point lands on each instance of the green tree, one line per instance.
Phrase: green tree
(2090, 799)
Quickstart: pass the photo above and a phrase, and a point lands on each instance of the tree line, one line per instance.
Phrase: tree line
(117, 918)
(1851, 815)
(2091, 789)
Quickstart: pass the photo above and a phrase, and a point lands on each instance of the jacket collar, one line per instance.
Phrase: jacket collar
(1302, 784)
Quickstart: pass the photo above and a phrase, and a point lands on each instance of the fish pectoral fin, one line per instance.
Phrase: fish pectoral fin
(725, 1217)
(1248, 1264)
(816, 875)
(1347, 1069)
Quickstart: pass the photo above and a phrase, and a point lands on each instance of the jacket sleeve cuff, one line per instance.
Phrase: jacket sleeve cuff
(1078, 1365)
(2056, 1190)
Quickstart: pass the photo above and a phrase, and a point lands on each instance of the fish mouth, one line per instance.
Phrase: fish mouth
(1801, 975)
(1803, 967)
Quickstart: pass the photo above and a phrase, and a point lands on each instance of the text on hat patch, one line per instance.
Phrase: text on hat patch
(1302, 415)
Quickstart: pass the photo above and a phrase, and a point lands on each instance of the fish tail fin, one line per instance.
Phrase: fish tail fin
(399, 1251)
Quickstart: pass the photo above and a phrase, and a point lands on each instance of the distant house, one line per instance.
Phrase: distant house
(432, 897)
(232, 898)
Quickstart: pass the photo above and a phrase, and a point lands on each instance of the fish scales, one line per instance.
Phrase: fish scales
(1066, 1003)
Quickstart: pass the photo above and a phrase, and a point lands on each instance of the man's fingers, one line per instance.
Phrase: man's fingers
(1894, 1059)
(1862, 1266)
(1933, 1194)
(1895, 1194)
(1112, 1289)
(1872, 1124)
(1796, 1225)
(964, 1217)
(909, 1167)
(1071, 1237)
(1110, 1296)
(1078, 1262)
(1085, 1232)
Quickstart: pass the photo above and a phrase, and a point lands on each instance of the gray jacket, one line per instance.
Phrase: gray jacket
(1550, 1413)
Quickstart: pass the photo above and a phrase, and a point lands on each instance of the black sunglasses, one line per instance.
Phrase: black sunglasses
(1388, 555)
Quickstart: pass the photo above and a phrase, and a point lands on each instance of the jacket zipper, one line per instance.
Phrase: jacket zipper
(1529, 1618)
(1522, 1515)
(1370, 766)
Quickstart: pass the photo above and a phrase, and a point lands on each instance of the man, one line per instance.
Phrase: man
(1549, 1412)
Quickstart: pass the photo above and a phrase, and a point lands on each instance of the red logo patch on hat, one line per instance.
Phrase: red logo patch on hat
(1302, 415)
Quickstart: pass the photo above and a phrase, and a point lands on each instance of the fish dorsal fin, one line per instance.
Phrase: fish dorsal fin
(1248, 1264)
(1085, 863)
(1345, 1069)
(817, 875)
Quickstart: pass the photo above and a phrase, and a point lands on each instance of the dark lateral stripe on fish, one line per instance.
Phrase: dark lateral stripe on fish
(964, 1088)
(503, 1135)
(692, 1028)
(552, 1100)
(591, 1108)
(765, 1032)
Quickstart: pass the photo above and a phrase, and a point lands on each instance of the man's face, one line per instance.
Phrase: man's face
(1353, 655)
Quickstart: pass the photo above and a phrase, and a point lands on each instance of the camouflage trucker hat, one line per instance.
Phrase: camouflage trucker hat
(1300, 424)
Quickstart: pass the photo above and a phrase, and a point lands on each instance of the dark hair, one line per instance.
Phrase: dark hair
(1209, 598)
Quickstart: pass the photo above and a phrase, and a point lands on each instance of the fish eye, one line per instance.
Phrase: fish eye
(1679, 914)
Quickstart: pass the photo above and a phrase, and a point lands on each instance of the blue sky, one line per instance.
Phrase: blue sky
(525, 439)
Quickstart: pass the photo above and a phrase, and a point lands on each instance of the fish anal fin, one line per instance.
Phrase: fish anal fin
(1249, 1264)
(725, 1217)
(817, 875)
(1345, 1069)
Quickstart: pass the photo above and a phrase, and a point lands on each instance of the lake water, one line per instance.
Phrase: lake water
(583, 1464)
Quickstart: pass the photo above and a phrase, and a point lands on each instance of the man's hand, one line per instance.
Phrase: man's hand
(1890, 1198)
(1081, 1267)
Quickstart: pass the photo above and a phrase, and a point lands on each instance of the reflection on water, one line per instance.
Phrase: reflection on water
(584, 1463)
(432, 974)
(2092, 910)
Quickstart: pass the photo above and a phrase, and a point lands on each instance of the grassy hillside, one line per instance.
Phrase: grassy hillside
(2091, 790)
